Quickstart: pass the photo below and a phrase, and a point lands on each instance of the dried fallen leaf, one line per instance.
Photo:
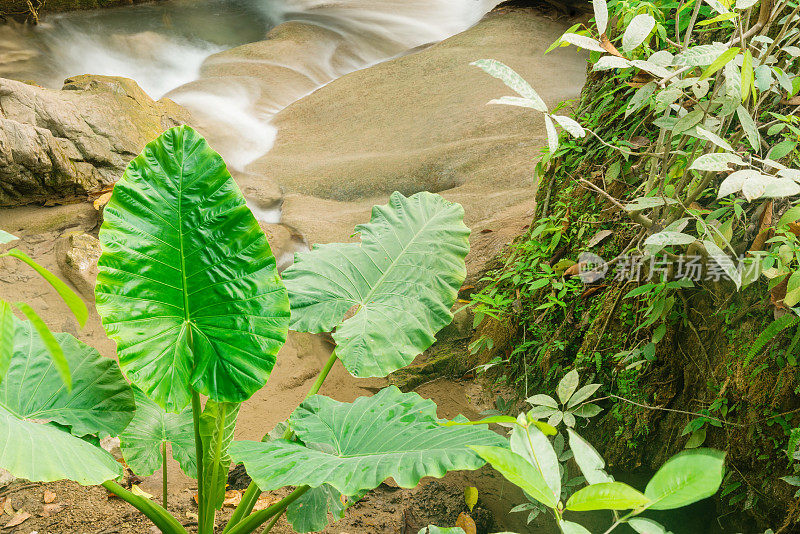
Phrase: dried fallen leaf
(574, 270)
(609, 47)
(466, 523)
(794, 228)
(487, 231)
(136, 490)
(101, 201)
(52, 509)
(18, 519)
(765, 230)
(794, 101)
(264, 501)
(7, 508)
(49, 496)
(192, 515)
(598, 238)
(232, 498)
(593, 290)
(778, 293)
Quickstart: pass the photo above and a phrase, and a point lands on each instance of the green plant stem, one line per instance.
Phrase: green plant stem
(253, 521)
(164, 474)
(198, 444)
(271, 524)
(155, 513)
(252, 493)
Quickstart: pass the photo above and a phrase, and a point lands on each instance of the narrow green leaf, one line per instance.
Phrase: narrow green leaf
(49, 341)
(69, 297)
(748, 75)
(750, 128)
(508, 76)
(686, 478)
(606, 496)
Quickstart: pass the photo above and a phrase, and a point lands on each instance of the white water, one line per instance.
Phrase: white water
(166, 48)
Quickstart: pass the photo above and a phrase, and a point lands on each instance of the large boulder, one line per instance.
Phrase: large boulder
(420, 122)
(57, 146)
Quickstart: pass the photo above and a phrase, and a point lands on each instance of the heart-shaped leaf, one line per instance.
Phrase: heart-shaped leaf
(356, 446)
(187, 284)
(399, 283)
(100, 402)
(150, 428)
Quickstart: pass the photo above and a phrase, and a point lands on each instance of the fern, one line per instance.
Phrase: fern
(769, 333)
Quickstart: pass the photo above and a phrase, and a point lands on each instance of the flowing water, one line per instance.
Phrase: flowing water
(173, 48)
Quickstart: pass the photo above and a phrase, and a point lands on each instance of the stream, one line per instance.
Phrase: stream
(176, 49)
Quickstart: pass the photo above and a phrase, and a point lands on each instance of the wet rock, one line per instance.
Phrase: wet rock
(420, 122)
(58, 146)
(77, 256)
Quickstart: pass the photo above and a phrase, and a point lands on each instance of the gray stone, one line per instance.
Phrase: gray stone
(60, 146)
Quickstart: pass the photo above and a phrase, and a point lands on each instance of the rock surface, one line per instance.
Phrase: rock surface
(57, 146)
(420, 122)
(77, 256)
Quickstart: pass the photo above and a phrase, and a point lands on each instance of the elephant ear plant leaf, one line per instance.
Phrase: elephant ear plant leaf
(353, 447)
(151, 428)
(187, 283)
(43, 423)
(394, 290)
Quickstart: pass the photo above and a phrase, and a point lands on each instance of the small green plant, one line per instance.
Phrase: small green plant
(532, 463)
(189, 290)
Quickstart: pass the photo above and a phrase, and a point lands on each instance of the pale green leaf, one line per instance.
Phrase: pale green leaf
(535, 447)
(715, 162)
(552, 135)
(567, 386)
(347, 445)
(589, 461)
(508, 76)
(151, 427)
(581, 41)
(665, 238)
(519, 472)
(637, 31)
(5, 237)
(398, 284)
(100, 403)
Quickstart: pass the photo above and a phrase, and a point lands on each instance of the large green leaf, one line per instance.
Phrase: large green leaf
(356, 446)
(398, 284)
(150, 428)
(41, 422)
(687, 477)
(309, 513)
(187, 284)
